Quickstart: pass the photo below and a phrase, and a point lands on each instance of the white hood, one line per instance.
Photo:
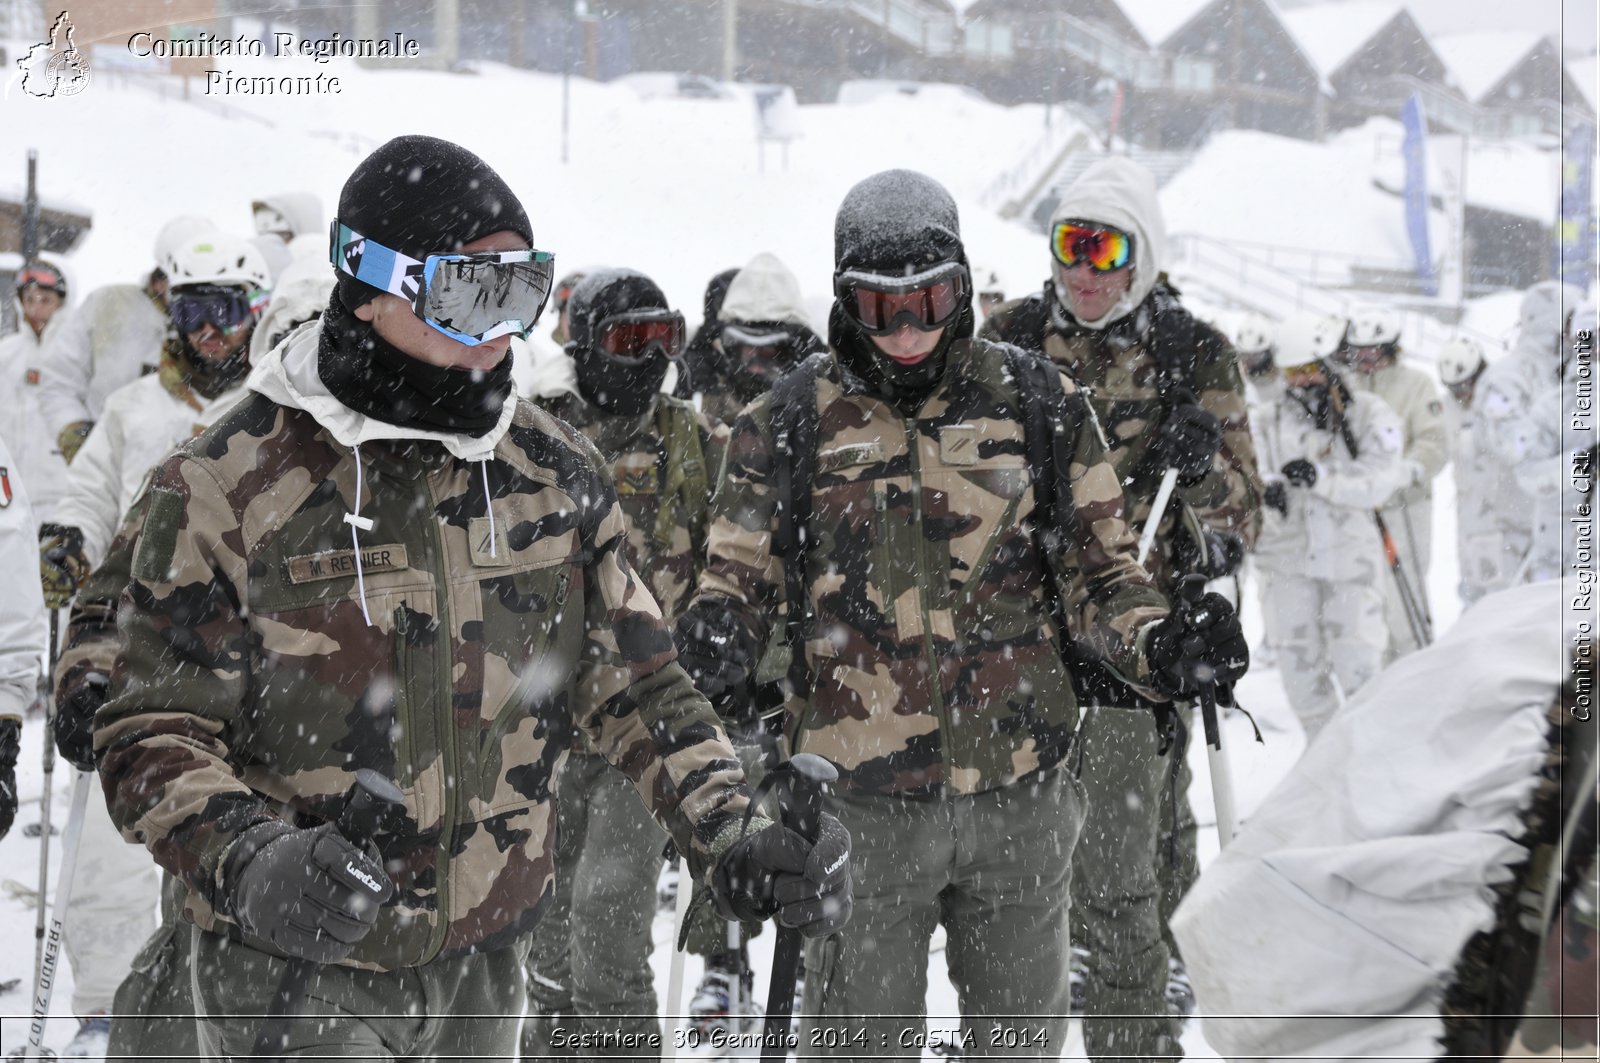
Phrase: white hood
(1117, 191)
(764, 290)
(302, 210)
(288, 376)
(300, 293)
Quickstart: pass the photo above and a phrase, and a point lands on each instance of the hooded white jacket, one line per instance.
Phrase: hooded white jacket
(22, 618)
(140, 425)
(112, 339)
(1117, 191)
(22, 421)
(1329, 533)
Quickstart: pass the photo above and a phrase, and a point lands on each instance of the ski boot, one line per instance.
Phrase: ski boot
(711, 1007)
(1180, 994)
(93, 1039)
(1077, 980)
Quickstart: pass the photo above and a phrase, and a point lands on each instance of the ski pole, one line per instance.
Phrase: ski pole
(1416, 565)
(675, 975)
(1158, 509)
(45, 979)
(805, 774)
(47, 698)
(368, 803)
(1420, 628)
(1190, 590)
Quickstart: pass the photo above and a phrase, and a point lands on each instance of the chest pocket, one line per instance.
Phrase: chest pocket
(856, 510)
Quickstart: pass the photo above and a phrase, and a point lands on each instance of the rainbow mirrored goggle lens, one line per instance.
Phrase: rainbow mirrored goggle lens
(881, 304)
(1105, 250)
(633, 334)
(472, 298)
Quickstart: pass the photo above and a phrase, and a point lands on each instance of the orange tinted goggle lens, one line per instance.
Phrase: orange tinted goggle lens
(1105, 250)
(929, 307)
(629, 339)
(44, 278)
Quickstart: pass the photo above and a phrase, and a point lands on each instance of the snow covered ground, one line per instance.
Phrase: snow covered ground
(670, 186)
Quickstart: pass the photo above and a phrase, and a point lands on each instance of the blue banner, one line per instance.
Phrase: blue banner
(1575, 235)
(1415, 150)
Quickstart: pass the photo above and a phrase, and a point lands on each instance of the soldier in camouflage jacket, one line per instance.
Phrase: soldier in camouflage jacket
(1168, 391)
(589, 966)
(483, 609)
(936, 682)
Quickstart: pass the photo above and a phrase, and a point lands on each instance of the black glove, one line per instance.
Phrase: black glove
(719, 655)
(10, 746)
(62, 564)
(1200, 642)
(774, 872)
(1300, 472)
(1277, 496)
(1220, 555)
(73, 722)
(308, 893)
(1188, 439)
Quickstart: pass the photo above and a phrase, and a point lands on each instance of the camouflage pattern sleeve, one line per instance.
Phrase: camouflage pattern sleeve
(645, 716)
(92, 633)
(1109, 598)
(179, 688)
(740, 568)
(1229, 498)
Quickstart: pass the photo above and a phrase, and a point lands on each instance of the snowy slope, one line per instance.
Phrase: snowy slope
(669, 186)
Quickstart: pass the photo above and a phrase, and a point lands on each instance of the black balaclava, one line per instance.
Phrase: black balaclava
(698, 369)
(888, 222)
(749, 382)
(420, 196)
(625, 386)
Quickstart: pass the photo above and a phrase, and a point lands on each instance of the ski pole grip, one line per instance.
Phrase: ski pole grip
(368, 805)
(808, 774)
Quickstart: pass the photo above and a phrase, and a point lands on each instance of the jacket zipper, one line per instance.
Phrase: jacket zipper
(402, 699)
(445, 720)
(936, 688)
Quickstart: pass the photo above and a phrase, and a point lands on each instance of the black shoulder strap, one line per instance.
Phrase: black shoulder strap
(794, 444)
(1044, 421)
(1175, 338)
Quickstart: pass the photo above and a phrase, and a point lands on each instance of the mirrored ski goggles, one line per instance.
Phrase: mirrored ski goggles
(757, 342)
(633, 334)
(472, 298)
(225, 307)
(881, 304)
(1106, 250)
(41, 277)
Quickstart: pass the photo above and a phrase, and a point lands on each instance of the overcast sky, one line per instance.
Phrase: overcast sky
(1444, 16)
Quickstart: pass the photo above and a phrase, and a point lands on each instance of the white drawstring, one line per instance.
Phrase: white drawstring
(357, 521)
(488, 502)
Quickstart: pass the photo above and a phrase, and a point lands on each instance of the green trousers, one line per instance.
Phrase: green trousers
(1129, 873)
(462, 1008)
(590, 986)
(993, 868)
(153, 1012)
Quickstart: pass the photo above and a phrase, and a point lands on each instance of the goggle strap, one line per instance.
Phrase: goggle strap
(382, 267)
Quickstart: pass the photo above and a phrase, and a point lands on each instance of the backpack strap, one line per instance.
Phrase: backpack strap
(794, 444)
(683, 475)
(1045, 424)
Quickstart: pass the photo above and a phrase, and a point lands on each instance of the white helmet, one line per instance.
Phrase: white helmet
(1460, 359)
(216, 258)
(987, 282)
(176, 232)
(1373, 326)
(1309, 337)
(1253, 336)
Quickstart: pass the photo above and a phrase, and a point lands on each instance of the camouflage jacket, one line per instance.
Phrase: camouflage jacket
(1119, 368)
(933, 656)
(662, 483)
(251, 688)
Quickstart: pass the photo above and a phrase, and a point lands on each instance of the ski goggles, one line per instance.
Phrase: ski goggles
(472, 298)
(633, 334)
(757, 342)
(881, 304)
(1106, 250)
(225, 307)
(41, 277)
